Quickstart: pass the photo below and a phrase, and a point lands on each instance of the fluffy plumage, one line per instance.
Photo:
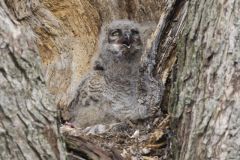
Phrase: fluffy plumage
(113, 90)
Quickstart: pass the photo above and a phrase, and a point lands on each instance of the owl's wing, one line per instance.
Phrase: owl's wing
(89, 106)
(89, 90)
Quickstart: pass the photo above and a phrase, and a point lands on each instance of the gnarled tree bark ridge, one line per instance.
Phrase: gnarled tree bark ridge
(206, 93)
(28, 125)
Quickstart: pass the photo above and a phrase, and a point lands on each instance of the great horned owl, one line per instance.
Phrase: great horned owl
(114, 90)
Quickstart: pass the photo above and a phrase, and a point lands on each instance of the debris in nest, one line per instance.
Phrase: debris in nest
(145, 151)
(135, 134)
(155, 136)
(133, 142)
(150, 158)
(97, 129)
(124, 153)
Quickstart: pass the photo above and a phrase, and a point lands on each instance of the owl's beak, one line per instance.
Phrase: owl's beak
(127, 40)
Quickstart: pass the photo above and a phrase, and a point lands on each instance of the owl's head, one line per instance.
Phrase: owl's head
(122, 39)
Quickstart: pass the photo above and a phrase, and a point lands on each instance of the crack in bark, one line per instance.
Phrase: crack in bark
(18, 66)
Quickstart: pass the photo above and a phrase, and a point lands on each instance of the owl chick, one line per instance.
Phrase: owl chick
(113, 91)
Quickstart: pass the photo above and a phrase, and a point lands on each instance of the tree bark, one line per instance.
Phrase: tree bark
(200, 70)
(205, 97)
(80, 147)
(28, 125)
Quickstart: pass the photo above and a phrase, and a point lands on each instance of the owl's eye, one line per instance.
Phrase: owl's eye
(116, 33)
(135, 32)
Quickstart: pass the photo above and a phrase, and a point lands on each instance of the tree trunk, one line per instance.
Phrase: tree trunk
(205, 97)
(28, 125)
(200, 70)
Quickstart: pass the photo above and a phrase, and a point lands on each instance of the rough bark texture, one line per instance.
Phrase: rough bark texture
(80, 147)
(28, 125)
(205, 96)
